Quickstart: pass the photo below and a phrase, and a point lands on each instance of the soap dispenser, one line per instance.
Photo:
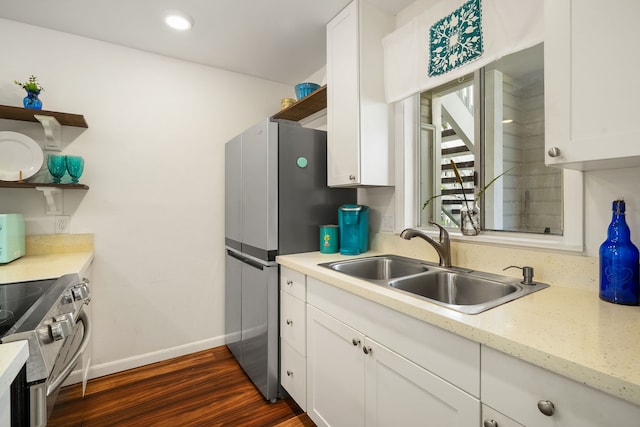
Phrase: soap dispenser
(619, 278)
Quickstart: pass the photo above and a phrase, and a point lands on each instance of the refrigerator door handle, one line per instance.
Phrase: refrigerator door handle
(247, 260)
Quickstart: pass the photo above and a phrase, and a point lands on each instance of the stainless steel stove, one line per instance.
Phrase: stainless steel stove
(49, 315)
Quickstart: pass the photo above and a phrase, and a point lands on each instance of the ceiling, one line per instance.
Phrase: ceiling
(278, 40)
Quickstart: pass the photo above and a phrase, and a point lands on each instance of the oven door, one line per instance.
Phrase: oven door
(43, 396)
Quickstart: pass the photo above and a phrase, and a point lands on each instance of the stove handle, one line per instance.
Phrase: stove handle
(66, 371)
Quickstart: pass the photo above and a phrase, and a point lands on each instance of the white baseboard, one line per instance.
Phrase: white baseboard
(145, 359)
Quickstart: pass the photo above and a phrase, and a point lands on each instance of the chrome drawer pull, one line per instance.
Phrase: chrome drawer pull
(546, 407)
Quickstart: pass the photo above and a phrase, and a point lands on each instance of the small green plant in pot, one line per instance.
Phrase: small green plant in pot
(469, 212)
(33, 88)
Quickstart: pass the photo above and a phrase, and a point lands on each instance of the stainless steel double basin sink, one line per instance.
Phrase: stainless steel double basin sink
(465, 291)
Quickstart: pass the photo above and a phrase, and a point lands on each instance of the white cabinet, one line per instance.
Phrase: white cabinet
(293, 344)
(335, 372)
(591, 97)
(358, 375)
(522, 391)
(358, 143)
(493, 418)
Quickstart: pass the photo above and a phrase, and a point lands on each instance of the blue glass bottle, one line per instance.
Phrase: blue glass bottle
(619, 261)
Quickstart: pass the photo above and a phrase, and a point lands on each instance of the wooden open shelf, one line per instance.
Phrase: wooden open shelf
(28, 115)
(305, 107)
(12, 184)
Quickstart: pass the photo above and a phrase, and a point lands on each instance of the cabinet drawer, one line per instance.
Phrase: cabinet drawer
(514, 387)
(293, 374)
(293, 322)
(294, 283)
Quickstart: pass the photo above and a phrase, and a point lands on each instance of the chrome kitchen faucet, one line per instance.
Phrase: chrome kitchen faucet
(443, 246)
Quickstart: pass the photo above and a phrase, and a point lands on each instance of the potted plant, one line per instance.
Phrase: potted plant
(469, 212)
(33, 88)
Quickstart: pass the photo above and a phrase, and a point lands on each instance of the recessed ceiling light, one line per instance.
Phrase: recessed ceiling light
(178, 20)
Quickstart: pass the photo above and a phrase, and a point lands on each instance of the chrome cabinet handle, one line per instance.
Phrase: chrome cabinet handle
(490, 423)
(554, 152)
(546, 407)
(367, 350)
(355, 341)
(289, 322)
(352, 177)
(290, 282)
(289, 373)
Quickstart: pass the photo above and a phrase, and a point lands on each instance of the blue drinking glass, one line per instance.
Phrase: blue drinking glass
(75, 167)
(57, 166)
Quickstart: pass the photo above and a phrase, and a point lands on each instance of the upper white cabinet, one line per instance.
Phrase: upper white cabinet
(358, 150)
(591, 98)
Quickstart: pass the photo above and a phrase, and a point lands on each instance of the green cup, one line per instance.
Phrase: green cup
(328, 239)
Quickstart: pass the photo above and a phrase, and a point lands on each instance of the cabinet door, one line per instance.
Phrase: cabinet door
(591, 109)
(335, 371)
(399, 392)
(343, 115)
(493, 418)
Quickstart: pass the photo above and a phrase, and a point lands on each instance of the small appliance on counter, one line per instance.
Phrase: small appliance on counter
(11, 237)
(354, 229)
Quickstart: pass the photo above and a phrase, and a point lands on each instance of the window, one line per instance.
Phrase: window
(490, 127)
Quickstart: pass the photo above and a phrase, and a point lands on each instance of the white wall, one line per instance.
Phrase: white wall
(154, 154)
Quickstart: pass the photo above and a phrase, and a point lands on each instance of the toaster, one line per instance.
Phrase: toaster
(11, 237)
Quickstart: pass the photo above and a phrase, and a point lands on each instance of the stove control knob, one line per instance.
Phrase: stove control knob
(80, 292)
(61, 327)
(67, 298)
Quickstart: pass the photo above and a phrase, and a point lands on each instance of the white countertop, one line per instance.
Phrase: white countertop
(565, 330)
(37, 267)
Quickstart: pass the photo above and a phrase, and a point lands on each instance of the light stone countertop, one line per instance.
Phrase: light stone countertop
(565, 330)
(50, 256)
(38, 267)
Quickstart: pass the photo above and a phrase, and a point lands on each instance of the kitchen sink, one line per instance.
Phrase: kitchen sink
(379, 268)
(465, 291)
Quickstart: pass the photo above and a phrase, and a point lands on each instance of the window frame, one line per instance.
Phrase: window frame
(407, 136)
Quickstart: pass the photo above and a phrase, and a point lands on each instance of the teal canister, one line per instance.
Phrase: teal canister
(354, 229)
(329, 239)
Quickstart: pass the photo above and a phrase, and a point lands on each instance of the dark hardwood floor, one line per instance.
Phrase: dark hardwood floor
(205, 389)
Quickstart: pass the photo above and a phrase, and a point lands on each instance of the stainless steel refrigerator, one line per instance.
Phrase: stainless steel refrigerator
(276, 197)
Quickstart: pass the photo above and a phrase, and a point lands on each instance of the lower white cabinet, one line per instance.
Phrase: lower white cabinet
(351, 362)
(293, 330)
(533, 396)
(354, 380)
(493, 418)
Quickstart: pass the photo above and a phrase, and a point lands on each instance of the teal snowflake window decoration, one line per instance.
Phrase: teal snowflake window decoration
(456, 39)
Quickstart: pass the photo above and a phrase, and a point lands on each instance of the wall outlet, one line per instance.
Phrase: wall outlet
(62, 224)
